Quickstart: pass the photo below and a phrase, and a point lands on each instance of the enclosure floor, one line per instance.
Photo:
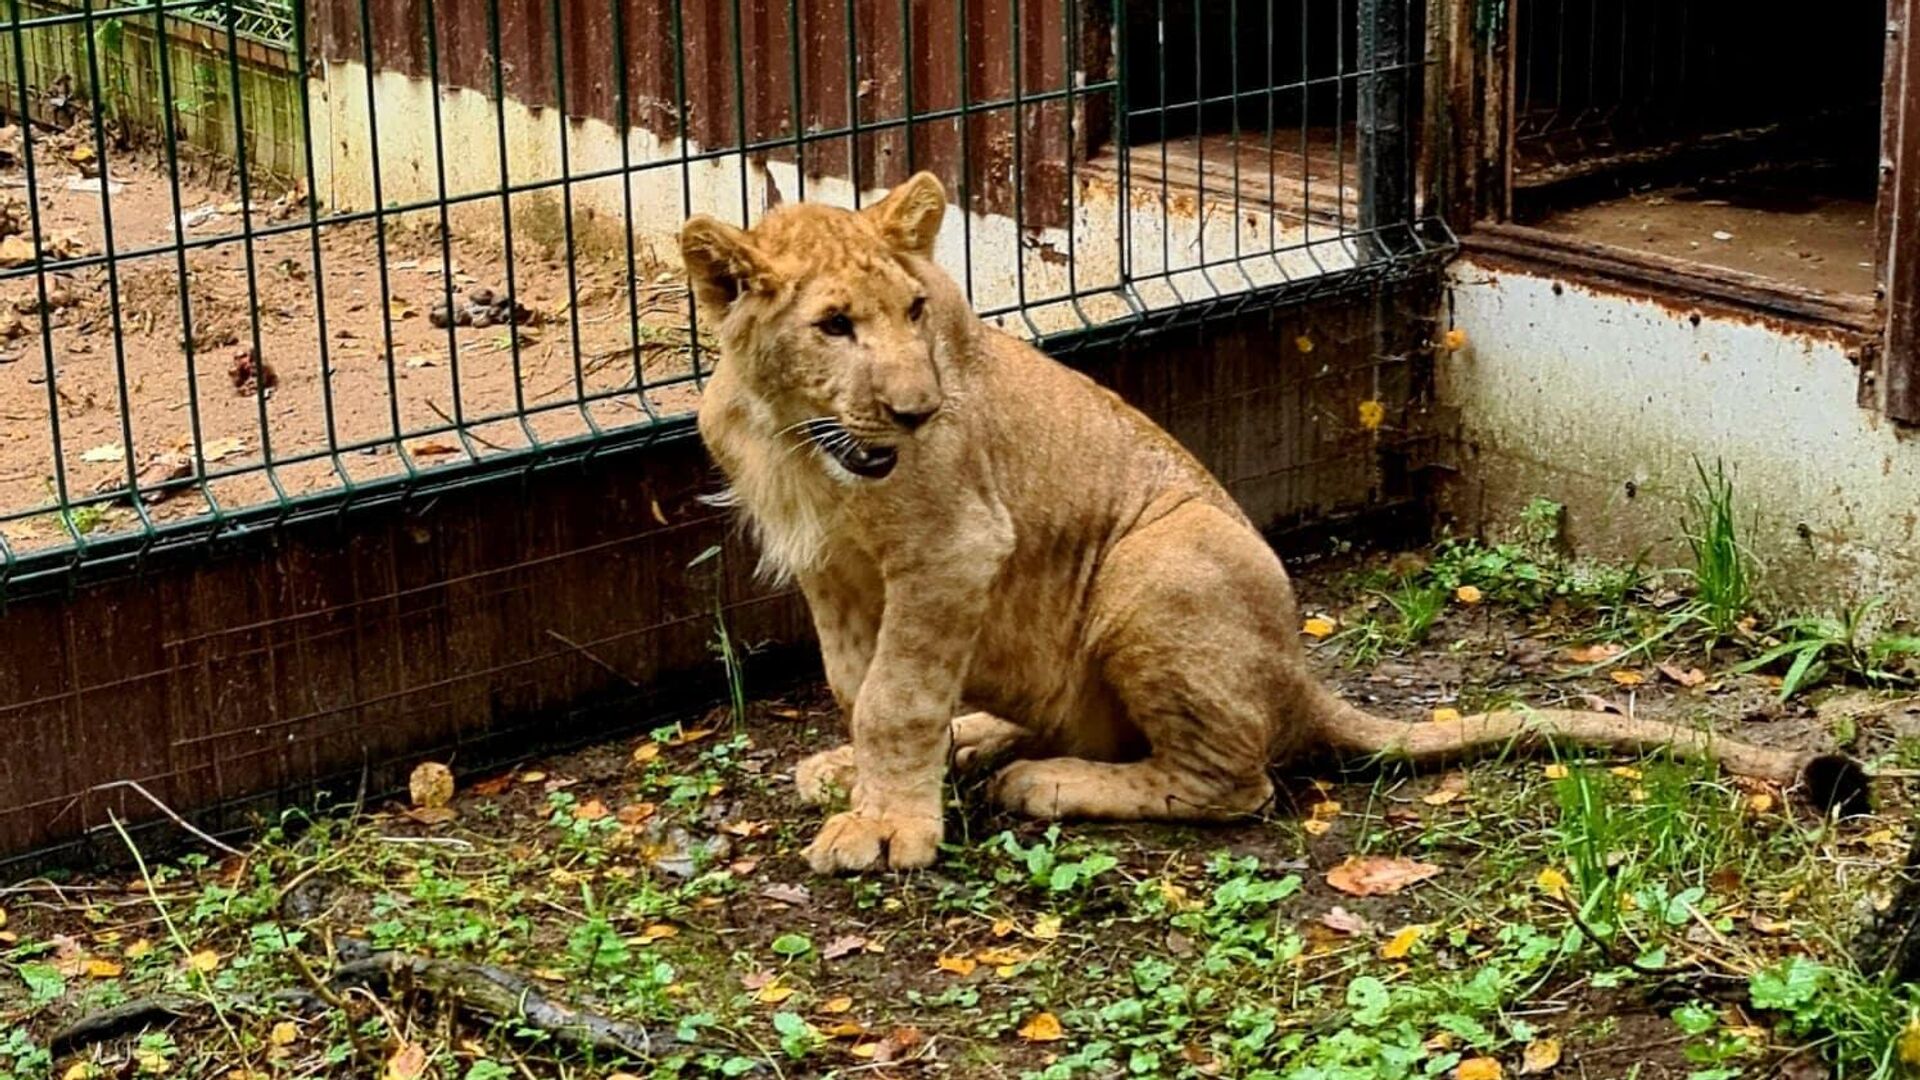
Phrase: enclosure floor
(1297, 179)
(1815, 241)
(98, 347)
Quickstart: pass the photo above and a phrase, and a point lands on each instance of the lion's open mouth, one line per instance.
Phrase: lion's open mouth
(861, 459)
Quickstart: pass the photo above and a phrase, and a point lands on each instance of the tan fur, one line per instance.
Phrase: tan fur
(1042, 558)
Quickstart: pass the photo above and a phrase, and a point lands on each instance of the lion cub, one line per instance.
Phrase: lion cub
(980, 530)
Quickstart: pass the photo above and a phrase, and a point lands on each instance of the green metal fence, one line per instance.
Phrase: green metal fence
(468, 271)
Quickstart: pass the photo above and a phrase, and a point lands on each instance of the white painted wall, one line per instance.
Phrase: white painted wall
(1580, 395)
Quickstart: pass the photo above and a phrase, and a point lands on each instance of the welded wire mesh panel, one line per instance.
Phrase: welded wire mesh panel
(428, 242)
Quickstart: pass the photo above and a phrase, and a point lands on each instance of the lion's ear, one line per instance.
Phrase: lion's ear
(722, 264)
(909, 217)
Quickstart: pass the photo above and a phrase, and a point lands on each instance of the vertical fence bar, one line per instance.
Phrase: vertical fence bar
(244, 169)
(312, 208)
(431, 35)
(369, 58)
(623, 109)
(506, 220)
(1385, 150)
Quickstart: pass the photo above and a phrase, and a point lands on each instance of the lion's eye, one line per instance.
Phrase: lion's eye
(836, 325)
(917, 308)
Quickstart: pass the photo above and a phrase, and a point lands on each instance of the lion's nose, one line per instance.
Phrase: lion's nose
(911, 419)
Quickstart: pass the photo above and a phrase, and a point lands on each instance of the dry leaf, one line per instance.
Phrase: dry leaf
(431, 785)
(1766, 924)
(1377, 876)
(1760, 802)
(1372, 415)
(102, 969)
(531, 777)
(658, 932)
(1001, 957)
(1402, 943)
(773, 993)
(407, 1063)
(141, 947)
(1595, 654)
(1552, 882)
(634, 813)
(1690, 678)
(845, 945)
(1555, 771)
(1303, 343)
(1446, 715)
(1046, 928)
(1044, 1027)
(693, 736)
(747, 829)
(1596, 703)
(206, 961)
(284, 1033)
(1452, 787)
(845, 1029)
(1468, 594)
(432, 815)
(796, 895)
(104, 453)
(1625, 772)
(592, 810)
(1454, 340)
(1318, 628)
(645, 752)
(1540, 1056)
(1627, 678)
(1478, 1069)
(488, 788)
(1326, 810)
(957, 965)
(1910, 1042)
(838, 1005)
(1341, 921)
(433, 448)
(1317, 827)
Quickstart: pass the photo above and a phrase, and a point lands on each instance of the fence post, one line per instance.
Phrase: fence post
(1386, 42)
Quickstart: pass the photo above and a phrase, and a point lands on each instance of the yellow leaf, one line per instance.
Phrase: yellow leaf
(548, 974)
(1002, 927)
(284, 1033)
(139, 948)
(1467, 594)
(102, 969)
(1454, 341)
(1910, 1042)
(1638, 794)
(773, 993)
(957, 965)
(1402, 943)
(1372, 415)
(845, 1029)
(1326, 810)
(837, 1006)
(1047, 927)
(1878, 839)
(1318, 628)
(1555, 771)
(645, 752)
(431, 785)
(866, 1050)
(1446, 715)
(1478, 1069)
(80, 1070)
(1627, 678)
(693, 736)
(3, 918)
(1625, 772)
(1441, 797)
(592, 810)
(532, 777)
(1317, 828)
(1303, 343)
(206, 961)
(1760, 802)
(658, 932)
(1044, 1027)
(1540, 1056)
(1552, 882)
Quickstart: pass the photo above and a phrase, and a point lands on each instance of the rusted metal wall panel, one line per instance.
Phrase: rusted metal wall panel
(493, 617)
(860, 65)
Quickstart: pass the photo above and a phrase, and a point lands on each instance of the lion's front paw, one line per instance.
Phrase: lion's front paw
(853, 841)
(825, 776)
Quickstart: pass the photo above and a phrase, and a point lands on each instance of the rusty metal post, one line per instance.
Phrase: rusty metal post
(1387, 39)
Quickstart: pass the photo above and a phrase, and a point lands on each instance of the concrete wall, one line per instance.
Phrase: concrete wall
(1601, 400)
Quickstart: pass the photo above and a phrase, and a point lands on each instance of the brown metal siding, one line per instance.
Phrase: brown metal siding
(855, 71)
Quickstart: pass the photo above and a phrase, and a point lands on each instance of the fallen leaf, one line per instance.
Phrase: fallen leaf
(1341, 921)
(835, 1006)
(1044, 1027)
(592, 810)
(531, 777)
(1446, 715)
(98, 968)
(1454, 340)
(431, 785)
(1597, 653)
(550, 974)
(1401, 943)
(1596, 703)
(1467, 594)
(845, 945)
(773, 993)
(1001, 957)
(634, 813)
(1303, 343)
(1478, 1069)
(138, 949)
(1326, 810)
(106, 452)
(431, 815)
(957, 965)
(658, 932)
(1910, 1042)
(645, 752)
(1768, 925)
(1540, 1056)
(1690, 678)
(1555, 771)
(693, 736)
(1003, 927)
(1627, 678)
(206, 961)
(845, 1029)
(1372, 415)
(1760, 802)
(407, 1063)
(1552, 882)
(1452, 787)
(796, 895)
(1378, 876)
(1316, 827)
(488, 788)
(1625, 772)
(1046, 928)
(284, 1033)
(1318, 628)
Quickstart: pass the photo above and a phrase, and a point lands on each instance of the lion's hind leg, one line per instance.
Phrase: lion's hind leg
(1156, 788)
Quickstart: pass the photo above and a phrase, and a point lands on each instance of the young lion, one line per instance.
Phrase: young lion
(976, 525)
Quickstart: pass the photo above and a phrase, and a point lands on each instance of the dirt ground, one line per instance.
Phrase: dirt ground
(1586, 917)
(111, 343)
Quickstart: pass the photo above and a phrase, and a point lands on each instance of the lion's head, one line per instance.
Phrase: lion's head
(830, 318)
